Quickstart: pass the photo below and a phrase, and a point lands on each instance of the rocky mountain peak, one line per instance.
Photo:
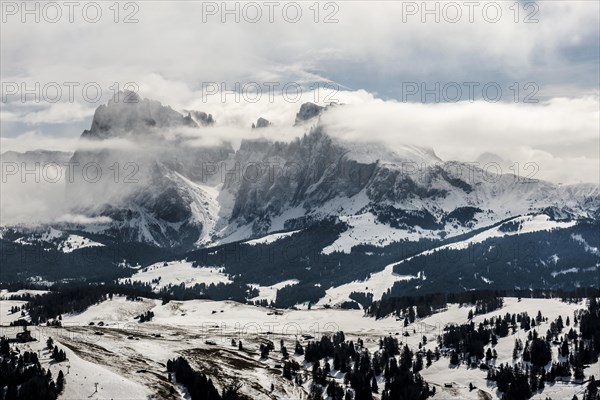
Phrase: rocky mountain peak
(261, 123)
(127, 112)
(308, 111)
(210, 191)
(200, 117)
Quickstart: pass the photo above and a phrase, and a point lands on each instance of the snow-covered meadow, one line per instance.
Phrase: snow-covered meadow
(107, 345)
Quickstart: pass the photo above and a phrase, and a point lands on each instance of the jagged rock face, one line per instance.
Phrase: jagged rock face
(325, 171)
(201, 118)
(175, 203)
(308, 111)
(145, 190)
(305, 172)
(391, 184)
(261, 123)
(126, 112)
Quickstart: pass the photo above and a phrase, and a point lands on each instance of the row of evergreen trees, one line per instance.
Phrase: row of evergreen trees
(23, 378)
(533, 365)
(145, 317)
(363, 371)
(427, 304)
(76, 298)
(57, 355)
(198, 385)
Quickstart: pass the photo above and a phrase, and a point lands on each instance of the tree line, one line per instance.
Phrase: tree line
(23, 378)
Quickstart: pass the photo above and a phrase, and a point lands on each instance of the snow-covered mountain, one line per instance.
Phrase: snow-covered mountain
(165, 193)
(331, 216)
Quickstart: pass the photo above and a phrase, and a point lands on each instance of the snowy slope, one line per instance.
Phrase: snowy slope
(272, 238)
(269, 293)
(176, 273)
(379, 282)
(128, 359)
(64, 241)
(525, 224)
(76, 242)
(81, 371)
(365, 229)
(205, 206)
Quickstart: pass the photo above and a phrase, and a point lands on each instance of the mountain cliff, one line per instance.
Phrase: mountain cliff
(159, 190)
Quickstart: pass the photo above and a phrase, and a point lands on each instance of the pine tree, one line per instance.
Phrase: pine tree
(564, 349)
(374, 387)
(418, 365)
(517, 349)
(429, 357)
(60, 381)
(11, 392)
(454, 358)
(316, 392)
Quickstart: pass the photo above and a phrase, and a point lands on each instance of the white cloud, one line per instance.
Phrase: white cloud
(82, 219)
(369, 38)
(171, 52)
(34, 140)
(560, 134)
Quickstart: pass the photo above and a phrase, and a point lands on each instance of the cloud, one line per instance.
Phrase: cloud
(556, 140)
(34, 140)
(176, 43)
(58, 113)
(560, 134)
(171, 54)
(82, 219)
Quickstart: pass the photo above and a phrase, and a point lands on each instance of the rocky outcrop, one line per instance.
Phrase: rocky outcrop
(261, 123)
(307, 112)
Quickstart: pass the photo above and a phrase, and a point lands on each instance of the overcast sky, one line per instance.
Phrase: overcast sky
(379, 54)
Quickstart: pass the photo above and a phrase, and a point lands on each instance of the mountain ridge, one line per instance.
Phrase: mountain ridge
(189, 197)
